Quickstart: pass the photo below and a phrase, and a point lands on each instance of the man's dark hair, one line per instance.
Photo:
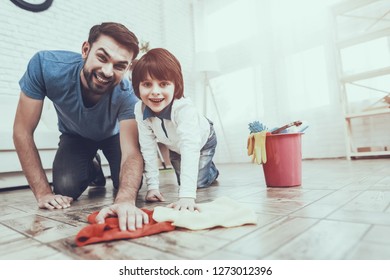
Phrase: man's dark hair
(118, 32)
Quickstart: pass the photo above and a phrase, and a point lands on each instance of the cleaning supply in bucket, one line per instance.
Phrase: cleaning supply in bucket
(294, 127)
(283, 128)
(256, 142)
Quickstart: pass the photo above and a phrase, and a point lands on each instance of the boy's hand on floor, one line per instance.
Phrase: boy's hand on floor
(184, 204)
(154, 196)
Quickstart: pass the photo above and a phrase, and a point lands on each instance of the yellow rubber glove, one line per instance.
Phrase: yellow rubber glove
(251, 144)
(262, 146)
(256, 147)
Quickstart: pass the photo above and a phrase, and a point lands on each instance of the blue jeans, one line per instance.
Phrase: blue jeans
(73, 169)
(208, 172)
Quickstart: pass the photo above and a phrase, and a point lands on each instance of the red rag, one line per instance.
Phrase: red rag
(109, 231)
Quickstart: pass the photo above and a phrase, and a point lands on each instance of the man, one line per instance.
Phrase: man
(95, 108)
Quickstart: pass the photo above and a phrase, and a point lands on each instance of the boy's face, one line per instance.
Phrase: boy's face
(156, 94)
(105, 63)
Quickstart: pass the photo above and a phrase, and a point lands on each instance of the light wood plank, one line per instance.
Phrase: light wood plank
(8, 235)
(265, 240)
(235, 233)
(185, 244)
(32, 252)
(370, 251)
(324, 241)
(378, 234)
(8, 212)
(315, 210)
(365, 217)
(376, 201)
(115, 250)
(42, 229)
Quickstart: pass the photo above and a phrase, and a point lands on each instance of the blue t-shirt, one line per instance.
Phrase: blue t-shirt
(56, 74)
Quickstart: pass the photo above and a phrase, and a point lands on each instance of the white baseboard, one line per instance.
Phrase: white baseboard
(17, 179)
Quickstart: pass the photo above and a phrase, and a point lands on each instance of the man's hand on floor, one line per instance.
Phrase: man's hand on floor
(129, 216)
(54, 201)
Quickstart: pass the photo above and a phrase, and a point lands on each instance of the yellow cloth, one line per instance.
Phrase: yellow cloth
(256, 147)
(222, 211)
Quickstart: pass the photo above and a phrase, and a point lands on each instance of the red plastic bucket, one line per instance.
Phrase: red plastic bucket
(284, 160)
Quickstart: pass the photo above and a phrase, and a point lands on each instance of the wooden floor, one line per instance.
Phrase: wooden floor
(341, 211)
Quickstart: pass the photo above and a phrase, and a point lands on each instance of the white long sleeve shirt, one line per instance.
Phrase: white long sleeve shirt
(183, 130)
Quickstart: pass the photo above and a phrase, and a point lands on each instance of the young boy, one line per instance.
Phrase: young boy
(166, 116)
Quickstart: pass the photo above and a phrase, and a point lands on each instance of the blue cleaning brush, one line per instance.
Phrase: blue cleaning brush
(256, 126)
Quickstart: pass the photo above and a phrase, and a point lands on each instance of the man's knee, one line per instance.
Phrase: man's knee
(68, 186)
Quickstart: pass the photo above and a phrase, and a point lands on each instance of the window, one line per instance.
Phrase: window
(307, 80)
(238, 96)
(366, 56)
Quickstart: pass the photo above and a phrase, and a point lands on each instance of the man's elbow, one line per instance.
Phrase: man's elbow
(20, 135)
(16, 133)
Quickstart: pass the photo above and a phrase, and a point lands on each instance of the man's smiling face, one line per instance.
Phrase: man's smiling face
(105, 63)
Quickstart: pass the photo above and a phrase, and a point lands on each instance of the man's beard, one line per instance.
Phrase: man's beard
(96, 88)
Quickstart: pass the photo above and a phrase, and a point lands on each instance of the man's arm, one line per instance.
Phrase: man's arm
(27, 118)
(132, 163)
(129, 216)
